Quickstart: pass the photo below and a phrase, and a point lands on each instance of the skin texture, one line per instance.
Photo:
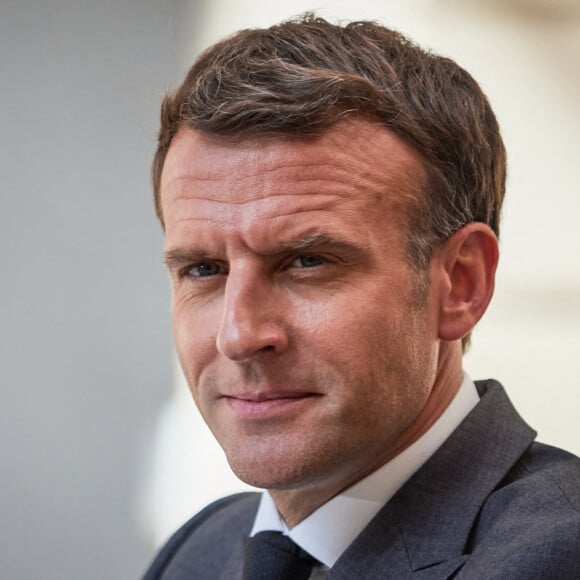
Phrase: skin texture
(296, 315)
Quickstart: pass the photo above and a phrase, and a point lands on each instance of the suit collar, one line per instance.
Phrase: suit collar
(428, 521)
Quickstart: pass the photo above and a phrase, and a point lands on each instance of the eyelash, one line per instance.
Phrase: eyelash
(322, 259)
(186, 272)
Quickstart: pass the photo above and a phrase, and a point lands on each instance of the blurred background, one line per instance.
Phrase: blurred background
(99, 442)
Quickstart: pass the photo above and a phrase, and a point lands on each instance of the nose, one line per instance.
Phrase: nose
(251, 319)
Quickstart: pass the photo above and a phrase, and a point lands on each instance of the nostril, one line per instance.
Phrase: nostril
(267, 348)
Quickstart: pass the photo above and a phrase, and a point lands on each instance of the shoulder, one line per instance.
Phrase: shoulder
(213, 528)
(543, 485)
(530, 525)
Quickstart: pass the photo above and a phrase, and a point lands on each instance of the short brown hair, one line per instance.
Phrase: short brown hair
(301, 77)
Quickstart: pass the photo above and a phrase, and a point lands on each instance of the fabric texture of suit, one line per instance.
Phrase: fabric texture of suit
(489, 504)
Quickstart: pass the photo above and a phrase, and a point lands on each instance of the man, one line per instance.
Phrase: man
(330, 198)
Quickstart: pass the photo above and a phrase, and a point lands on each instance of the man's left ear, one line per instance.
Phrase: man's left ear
(466, 266)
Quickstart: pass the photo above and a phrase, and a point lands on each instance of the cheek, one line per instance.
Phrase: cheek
(194, 332)
(388, 351)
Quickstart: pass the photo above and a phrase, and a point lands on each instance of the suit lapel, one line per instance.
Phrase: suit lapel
(422, 532)
(234, 565)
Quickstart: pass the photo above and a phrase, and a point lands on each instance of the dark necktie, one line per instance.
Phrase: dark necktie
(272, 556)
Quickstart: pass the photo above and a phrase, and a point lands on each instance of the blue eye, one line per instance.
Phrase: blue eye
(204, 269)
(309, 261)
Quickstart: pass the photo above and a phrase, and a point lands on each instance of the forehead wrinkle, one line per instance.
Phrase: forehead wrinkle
(200, 219)
(320, 188)
(193, 196)
(266, 167)
(247, 223)
(234, 213)
(302, 173)
(294, 212)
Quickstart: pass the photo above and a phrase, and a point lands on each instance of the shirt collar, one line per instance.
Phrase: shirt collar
(328, 531)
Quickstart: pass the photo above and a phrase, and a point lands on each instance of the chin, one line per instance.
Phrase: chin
(270, 469)
(267, 474)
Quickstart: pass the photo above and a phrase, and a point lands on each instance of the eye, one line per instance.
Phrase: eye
(308, 261)
(204, 270)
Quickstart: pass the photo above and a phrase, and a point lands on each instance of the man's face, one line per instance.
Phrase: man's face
(296, 315)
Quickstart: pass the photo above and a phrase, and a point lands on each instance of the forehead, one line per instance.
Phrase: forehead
(357, 167)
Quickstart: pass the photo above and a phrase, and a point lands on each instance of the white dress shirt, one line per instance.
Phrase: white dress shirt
(327, 532)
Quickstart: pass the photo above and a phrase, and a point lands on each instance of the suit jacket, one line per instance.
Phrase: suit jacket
(489, 504)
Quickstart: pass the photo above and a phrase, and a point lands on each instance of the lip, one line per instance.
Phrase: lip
(268, 404)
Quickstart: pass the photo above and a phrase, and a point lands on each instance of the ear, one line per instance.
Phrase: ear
(466, 264)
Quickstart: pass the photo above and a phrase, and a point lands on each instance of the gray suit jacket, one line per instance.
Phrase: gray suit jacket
(490, 504)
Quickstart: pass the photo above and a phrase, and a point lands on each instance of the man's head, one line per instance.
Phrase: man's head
(301, 77)
(328, 197)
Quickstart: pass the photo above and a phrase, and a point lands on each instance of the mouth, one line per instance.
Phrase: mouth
(268, 404)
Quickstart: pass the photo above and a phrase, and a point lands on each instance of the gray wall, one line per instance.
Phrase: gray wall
(85, 347)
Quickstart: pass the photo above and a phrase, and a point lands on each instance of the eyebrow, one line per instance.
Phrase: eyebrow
(315, 240)
(176, 257)
(179, 256)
